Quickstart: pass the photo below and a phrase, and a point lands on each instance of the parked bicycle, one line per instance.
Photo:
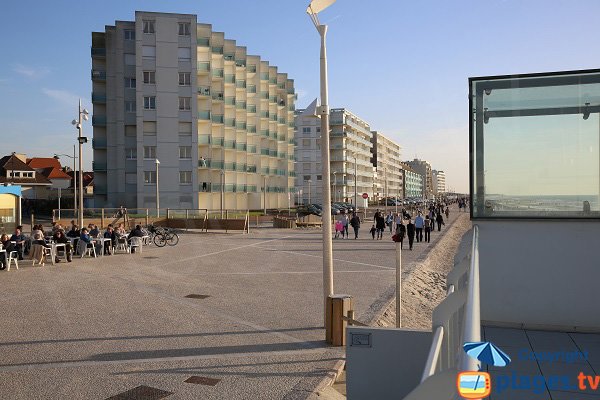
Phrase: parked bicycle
(162, 236)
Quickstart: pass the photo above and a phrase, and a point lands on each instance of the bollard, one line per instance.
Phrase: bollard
(338, 306)
(398, 285)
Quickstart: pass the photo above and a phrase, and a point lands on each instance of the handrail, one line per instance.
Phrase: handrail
(472, 321)
(434, 353)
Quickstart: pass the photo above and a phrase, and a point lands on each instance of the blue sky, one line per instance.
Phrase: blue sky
(400, 65)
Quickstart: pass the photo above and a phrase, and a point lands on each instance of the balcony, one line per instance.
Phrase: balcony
(203, 66)
(264, 95)
(264, 152)
(251, 129)
(99, 143)
(204, 139)
(218, 118)
(204, 115)
(251, 88)
(240, 105)
(99, 120)
(96, 166)
(251, 68)
(98, 52)
(204, 90)
(239, 167)
(264, 132)
(240, 125)
(230, 122)
(98, 98)
(230, 78)
(230, 101)
(264, 76)
(241, 146)
(230, 166)
(252, 148)
(218, 141)
(273, 81)
(229, 144)
(273, 117)
(264, 114)
(218, 96)
(229, 57)
(292, 174)
(217, 73)
(203, 41)
(282, 121)
(281, 85)
(251, 169)
(217, 49)
(273, 99)
(98, 75)
(240, 63)
(252, 109)
(281, 138)
(240, 84)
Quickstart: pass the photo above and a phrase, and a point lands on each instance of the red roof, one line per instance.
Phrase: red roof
(55, 173)
(41, 162)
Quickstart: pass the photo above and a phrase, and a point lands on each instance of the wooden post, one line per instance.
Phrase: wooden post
(350, 316)
(186, 219)
(147, 218)
(335, 326)
(102, 219)
(32, 221)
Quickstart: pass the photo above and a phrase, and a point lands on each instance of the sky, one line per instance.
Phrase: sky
(402, 66)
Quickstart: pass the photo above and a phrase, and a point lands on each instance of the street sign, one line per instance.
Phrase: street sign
(365, 196)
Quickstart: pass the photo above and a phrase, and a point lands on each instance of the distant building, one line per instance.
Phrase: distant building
(423, 168)
(15, 171)
(439, 181)
(10, 208)
(219, 120)
(387, 162)
(412, 182)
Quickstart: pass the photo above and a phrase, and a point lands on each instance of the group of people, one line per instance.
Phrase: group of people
(341, 226)
(27, 245)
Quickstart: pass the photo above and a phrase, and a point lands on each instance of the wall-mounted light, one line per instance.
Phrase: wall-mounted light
(487, 91)
(586, 111)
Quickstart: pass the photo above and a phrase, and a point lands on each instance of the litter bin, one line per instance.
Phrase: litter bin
(335, 328)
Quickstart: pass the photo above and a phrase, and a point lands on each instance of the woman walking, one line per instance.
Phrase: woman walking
(440, 221)
(379, 224)
(428, 223)
(410, 232)
(355, 222)
(401, 232)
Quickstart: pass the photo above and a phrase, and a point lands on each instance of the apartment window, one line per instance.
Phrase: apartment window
(185, 177)
(149, 152)
(184, 29)
(318, 130)
(307, 177)
(129, 34)
(184, 54)
(149, 51)
(149, 103)
(319, 177)
(185, 152)
(150, 77)
(130, 106)
(306, 130)
(185, 79)
(149, 128)
(306, 167)
(184, 103)
(149, 177)
(129, 59)
(305, 142)
(131, 153)
(318, 144)
(149, 27)
(130, 83)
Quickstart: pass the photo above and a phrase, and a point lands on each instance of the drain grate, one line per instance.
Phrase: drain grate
(202, 380)
(141, 393)
(197, 296)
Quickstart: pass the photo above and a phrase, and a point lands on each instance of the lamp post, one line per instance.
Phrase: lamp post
(222, 191)
(385, 191)
(309, 185)
(157, 189)
(264, 194)
(74, 157)
(83, 115)
(355, 191)
(313, 9)
(334, 186)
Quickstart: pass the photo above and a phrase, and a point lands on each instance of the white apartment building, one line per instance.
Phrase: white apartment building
(387, 160)
(423, 168)
(220, 121)
(350, 157)
(439, 181)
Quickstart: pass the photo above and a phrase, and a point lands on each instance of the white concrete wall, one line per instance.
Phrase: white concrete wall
(540, 272)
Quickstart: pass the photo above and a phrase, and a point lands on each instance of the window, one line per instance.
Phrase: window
(185, 152)
(184, 54)
(319, 144)
(306, 142)
(150, 77)
(149, 51)
(319, 177)
(129, 34)
(185, 128)
(130, 106)
(149, 27)
(130, 178)
(129, 59)
(318, 130)
(129, 83)
(307, 177)
(306, 167)
(185, 177)
(185, 79)
(184, 103)
(150, 103)
(306, 130)
(131, 153)
(184, 29)
(149, 152)
(130, 130)
(149, 177)
(149, 128)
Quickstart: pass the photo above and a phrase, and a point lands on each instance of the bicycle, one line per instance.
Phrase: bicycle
(163, 236)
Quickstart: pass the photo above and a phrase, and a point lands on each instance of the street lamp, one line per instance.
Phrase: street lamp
(83, 115)
(334, 186)
(74, 157)
(222, 190)
(315, 7)
(264, 194)
(309, 185)
(157, 191)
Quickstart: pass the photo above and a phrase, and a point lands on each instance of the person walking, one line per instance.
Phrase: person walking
(345, 222)
(341, 222)
(419, 224)
(440, 221)
(389, 221)
(339, 227)
(410, 232)
(398, 221)
(401, 232)
(355, 222)
(447, 212)
(427, 224)
(379, 224)
(373, 231)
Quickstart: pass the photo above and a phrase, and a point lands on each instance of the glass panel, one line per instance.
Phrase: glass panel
(536, 142)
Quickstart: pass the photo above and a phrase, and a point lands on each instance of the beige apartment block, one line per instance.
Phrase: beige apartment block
(219, 120)
(388, 179)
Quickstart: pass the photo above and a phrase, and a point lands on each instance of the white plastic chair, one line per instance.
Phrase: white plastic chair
(83, 249)
(136, 242)
(12, 256)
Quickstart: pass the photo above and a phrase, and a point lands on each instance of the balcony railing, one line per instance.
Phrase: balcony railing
(217, 49)
(96, 166)
(251, 88)
(204, 115)
(218, 141)
(251, 129)
(99, 120)
(229, 144)
(240, 84)
(252, 148)
(229, 57)
(98, 98)
(218, 96)
(217, 73)
(98, 75)
(230, 101)
(99, 52)
(99, 143)
(230, 122)
(229, 78)
(251, 109)
(203, 41)
(218, 119)
(251, 68)
(240, 125)
(204, 139)
(264, 76)
(240, 63)
(241, 146)
(203, 66)
(204, 90)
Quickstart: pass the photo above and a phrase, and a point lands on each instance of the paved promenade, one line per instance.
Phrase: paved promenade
(95, 328)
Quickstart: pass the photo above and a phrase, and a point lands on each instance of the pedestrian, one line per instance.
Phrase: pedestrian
(345, 222)
(440, 221)
(389, 221)
(410, 232)
(419, 223)
(398, 221)
(401, 232)
(447, 212)
(379, 224)
(355, 222)
(428, 222)
(373, 230)
(341, 221)
(339, 227)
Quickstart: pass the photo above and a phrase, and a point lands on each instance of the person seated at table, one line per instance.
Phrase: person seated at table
(37, 235)
(137, 232)
(56, 227)
(20, 239)
(94, 232)
(109, 234)
(59, 237)
(74, 232)
(120, 231)
(8, 246)
(88, 240)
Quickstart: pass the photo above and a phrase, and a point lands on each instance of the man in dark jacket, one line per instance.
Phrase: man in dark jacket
(440, 221)
(355, 223)
(410, 232)
(379, 224)
(137, 232)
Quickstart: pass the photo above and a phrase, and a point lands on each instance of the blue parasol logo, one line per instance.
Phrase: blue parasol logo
(487, 353)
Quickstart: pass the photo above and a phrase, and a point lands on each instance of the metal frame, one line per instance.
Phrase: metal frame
(500, 82)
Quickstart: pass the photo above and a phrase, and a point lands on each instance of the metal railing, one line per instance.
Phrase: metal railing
(456, 320)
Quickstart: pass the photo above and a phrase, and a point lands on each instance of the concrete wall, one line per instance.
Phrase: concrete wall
(540, 272)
